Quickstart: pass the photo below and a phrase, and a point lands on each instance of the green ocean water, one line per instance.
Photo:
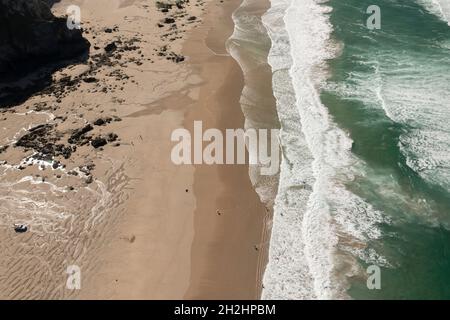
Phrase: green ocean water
(390, 89)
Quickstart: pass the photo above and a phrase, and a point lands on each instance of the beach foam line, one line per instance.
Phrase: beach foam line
(309, 224)
(309, 32)
(249, 45)
(287, 274)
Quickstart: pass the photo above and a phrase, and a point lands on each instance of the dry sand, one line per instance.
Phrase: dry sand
(145, 228)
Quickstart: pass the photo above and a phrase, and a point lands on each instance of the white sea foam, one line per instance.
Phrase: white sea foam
(415, 93)
(314, 210)
(287, 274)
(422, 103)
(20, 205)
(48, 207)
(440, 8)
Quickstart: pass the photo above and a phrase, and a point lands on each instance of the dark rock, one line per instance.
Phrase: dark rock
(31, 37)
(112, 137)
(163, 6)
(175, 57)
(99, 122)
(65, 151)
(179, 59)
(111, 47)
(90, 80)
(43, 139)
(89, 180)
(55, 165)
(102, 121)
(20, 228)
(87, 169)
(79, 134)
(169, 20)
(98, 142)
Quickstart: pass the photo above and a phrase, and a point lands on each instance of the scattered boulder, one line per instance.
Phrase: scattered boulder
(102, 121)
(55, 165)
(111, 137)
(98, 142)
(110, 47)
(43, 139)
(169, 20)
(90, 80)
(89, 180)
(79, 135)
(20, 228)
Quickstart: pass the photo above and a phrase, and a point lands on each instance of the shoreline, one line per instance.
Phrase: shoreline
(225, 262)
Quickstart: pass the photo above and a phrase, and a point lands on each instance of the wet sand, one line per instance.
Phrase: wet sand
(227, 256)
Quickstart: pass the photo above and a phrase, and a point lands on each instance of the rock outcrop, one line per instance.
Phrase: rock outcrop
(32, 37)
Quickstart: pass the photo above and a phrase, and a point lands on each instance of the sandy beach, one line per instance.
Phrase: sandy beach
(228, 254)
(224, 149)
(137, 225)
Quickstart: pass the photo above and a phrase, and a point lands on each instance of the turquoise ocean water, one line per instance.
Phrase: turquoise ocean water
(390, 89)
(365, 130)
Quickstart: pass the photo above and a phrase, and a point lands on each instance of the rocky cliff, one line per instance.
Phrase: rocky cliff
(32, 37)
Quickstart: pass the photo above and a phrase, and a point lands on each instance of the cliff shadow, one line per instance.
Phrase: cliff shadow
(33, 45)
